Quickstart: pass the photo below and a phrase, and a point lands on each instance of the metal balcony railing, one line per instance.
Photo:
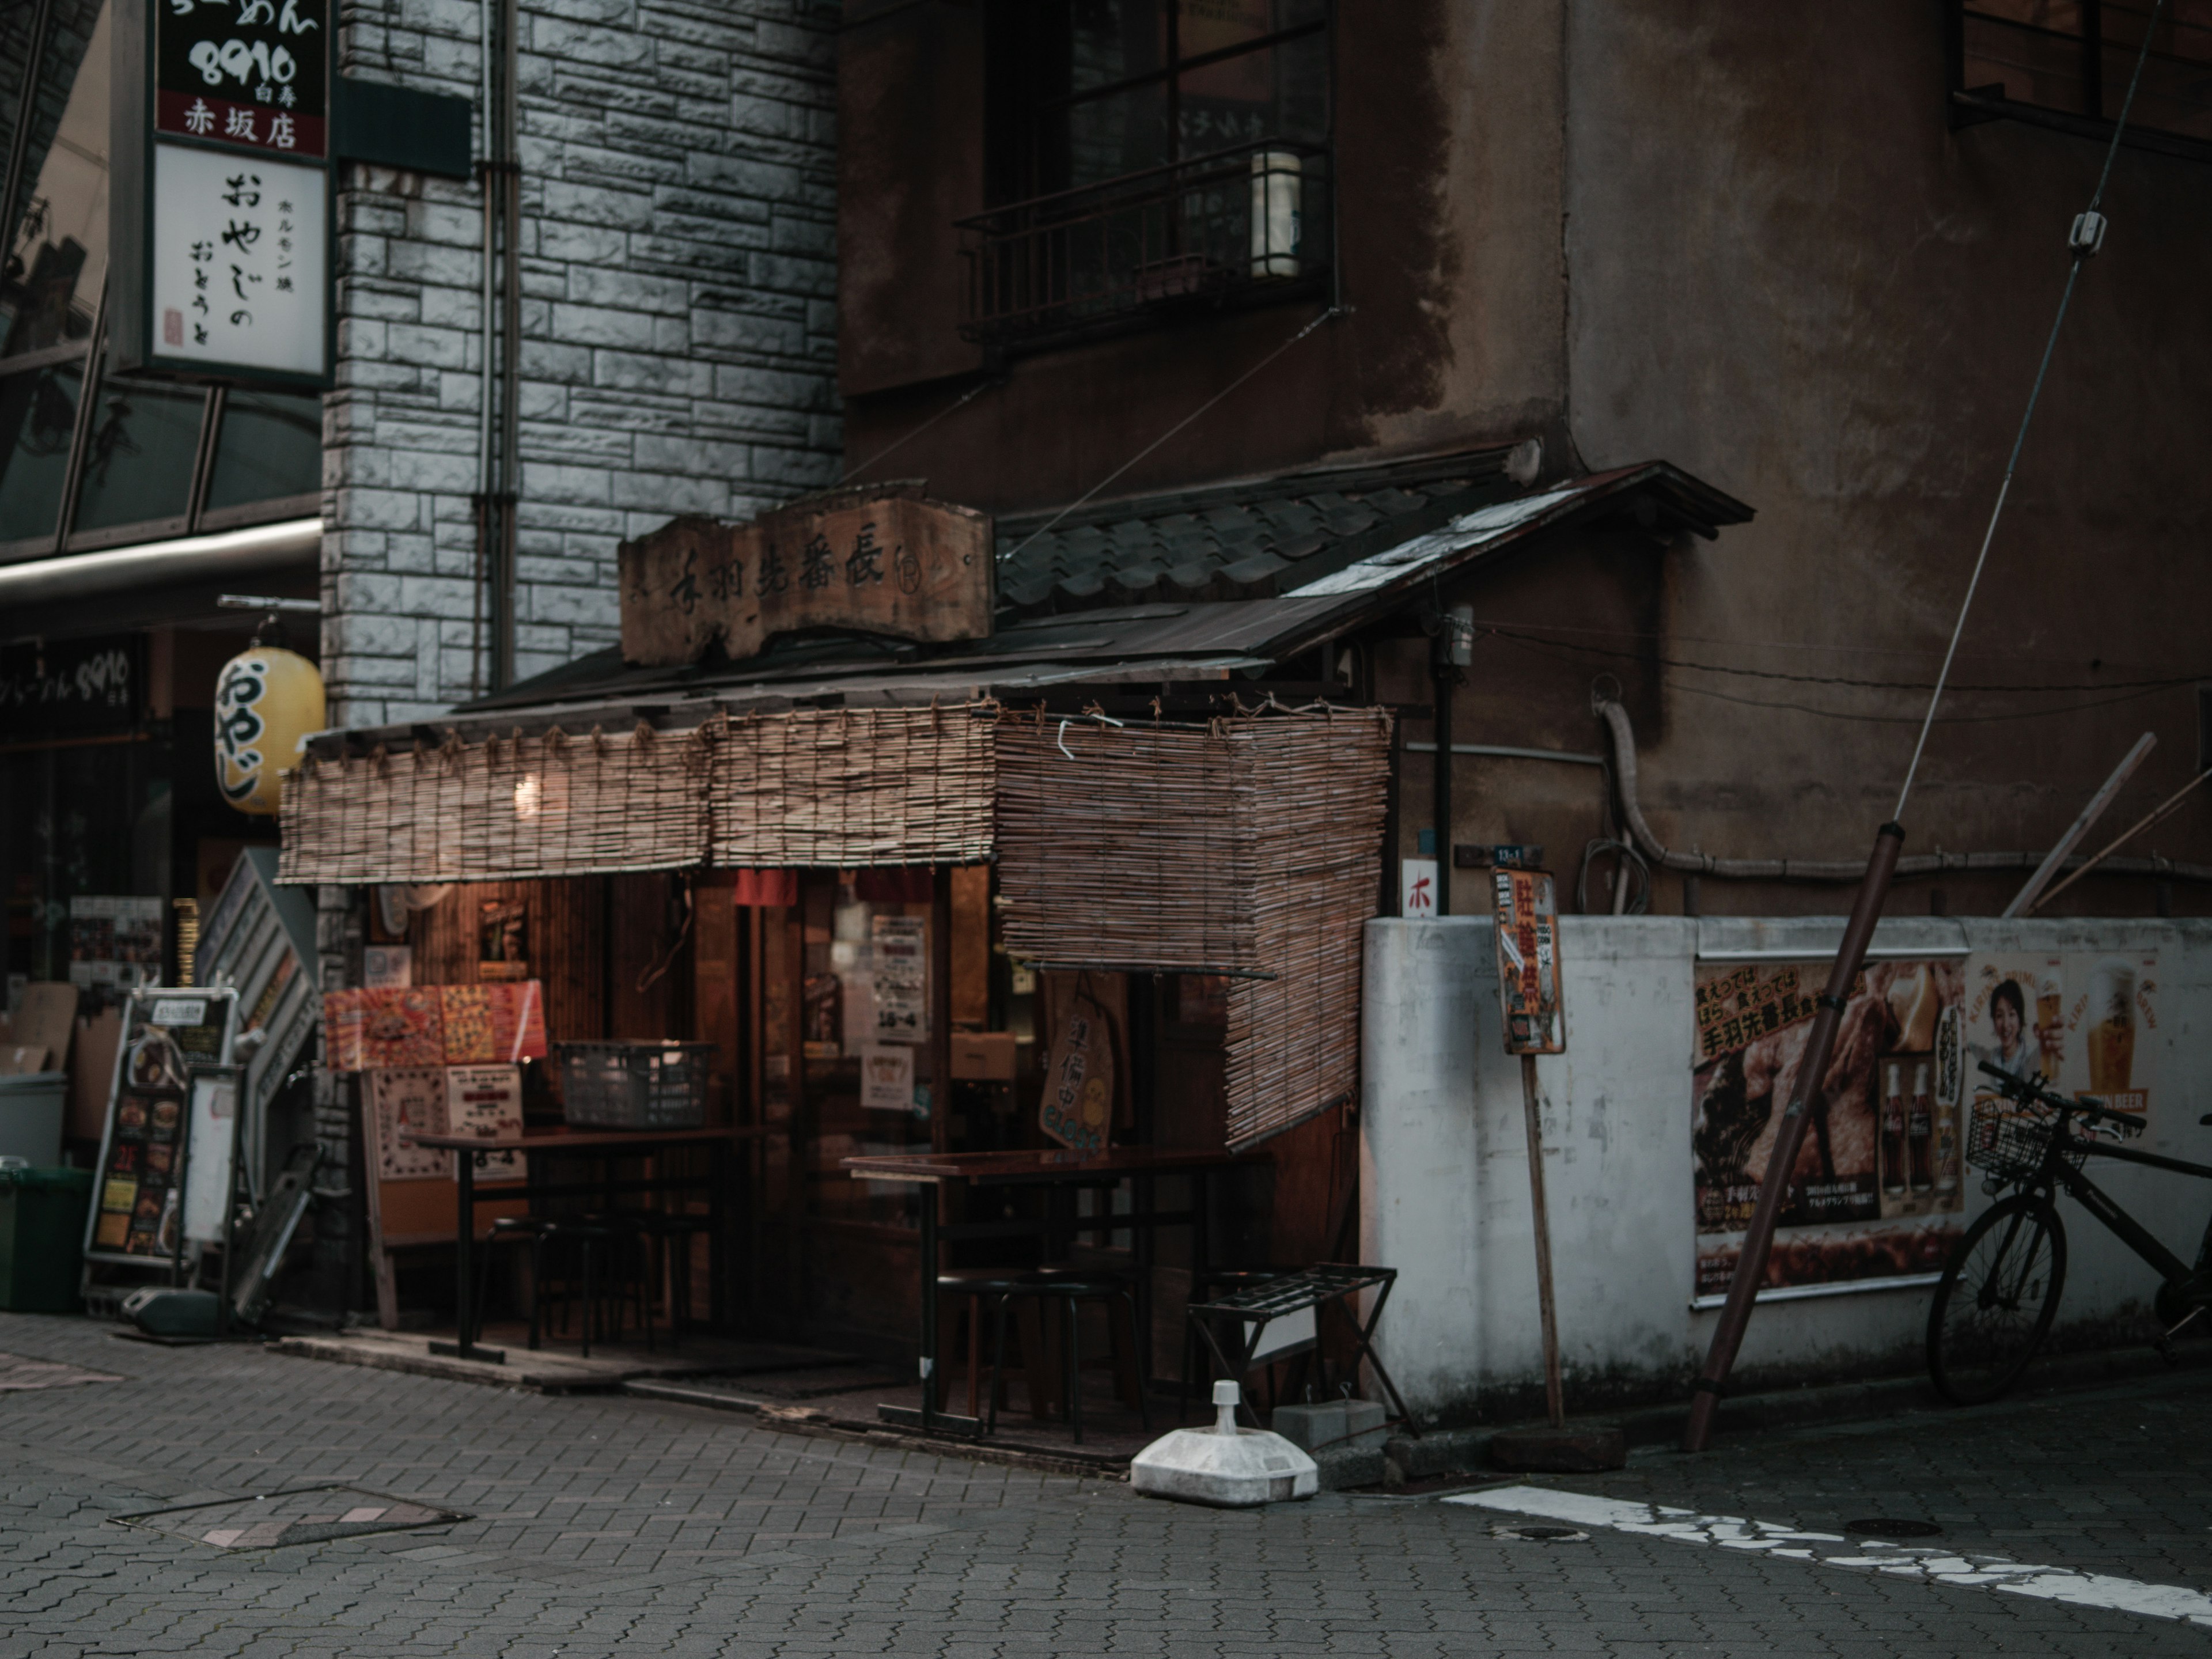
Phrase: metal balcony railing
(1239, 224)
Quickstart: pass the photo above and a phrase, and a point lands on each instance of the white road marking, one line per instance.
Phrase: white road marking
(1933, 1565)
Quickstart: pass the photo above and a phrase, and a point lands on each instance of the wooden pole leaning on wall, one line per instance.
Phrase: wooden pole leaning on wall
(1555, 1402)
(1774, 1186)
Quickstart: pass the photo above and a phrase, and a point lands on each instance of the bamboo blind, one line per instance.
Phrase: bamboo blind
(821, 788)
(1249, 847)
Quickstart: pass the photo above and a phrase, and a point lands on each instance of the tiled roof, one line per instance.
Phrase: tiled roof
(1248, 540)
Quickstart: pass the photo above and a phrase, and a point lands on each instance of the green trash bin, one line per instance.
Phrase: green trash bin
(42, 1239)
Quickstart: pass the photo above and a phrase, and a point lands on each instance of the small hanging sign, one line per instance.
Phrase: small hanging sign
(1528, 963)
(1078, 1108)
(1416, 889)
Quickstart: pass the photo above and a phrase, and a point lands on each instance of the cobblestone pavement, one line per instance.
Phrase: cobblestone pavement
(619, 1526)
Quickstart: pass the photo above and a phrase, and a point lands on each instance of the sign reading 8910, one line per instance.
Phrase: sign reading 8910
(252, 73)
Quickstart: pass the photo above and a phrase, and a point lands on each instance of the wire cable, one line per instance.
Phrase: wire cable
(2083, 246)
(1177, 427)
(901, 442)
(1515, 634)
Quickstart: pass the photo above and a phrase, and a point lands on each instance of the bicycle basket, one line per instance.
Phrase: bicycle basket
(2008, 1141)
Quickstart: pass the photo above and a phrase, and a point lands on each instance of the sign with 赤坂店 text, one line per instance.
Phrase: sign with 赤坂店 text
(221, 203)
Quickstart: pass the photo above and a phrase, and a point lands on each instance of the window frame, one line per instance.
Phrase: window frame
(1970, 107)
(197, 519)
(93, 355)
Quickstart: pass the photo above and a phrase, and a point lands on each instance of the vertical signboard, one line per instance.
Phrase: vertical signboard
(1528, 963)
(221, 202)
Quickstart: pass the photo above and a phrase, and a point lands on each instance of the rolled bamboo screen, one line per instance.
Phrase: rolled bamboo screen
(821, 788)
(1249, 847)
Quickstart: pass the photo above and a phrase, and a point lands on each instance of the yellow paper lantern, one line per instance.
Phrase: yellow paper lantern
(268, 702)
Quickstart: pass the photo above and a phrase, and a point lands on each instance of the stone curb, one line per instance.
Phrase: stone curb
(1451, 1451)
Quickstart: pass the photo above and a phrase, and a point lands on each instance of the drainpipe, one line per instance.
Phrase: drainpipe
(1454, 651)
(499, 327)
(482, 502)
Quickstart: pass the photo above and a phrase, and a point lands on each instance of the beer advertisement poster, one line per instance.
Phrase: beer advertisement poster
(1879, 1184)
(2083, 1023)
(2111, 1027)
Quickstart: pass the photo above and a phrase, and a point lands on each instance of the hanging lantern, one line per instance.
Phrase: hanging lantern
(268, 701)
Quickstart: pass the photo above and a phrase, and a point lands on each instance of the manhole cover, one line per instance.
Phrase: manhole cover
(310, 1515)
(1541, 1535)
(1881, 1528)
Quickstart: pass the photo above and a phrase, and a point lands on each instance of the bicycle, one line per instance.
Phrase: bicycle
(2000, 1290)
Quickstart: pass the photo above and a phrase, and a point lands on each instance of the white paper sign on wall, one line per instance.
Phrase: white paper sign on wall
(1416, 889)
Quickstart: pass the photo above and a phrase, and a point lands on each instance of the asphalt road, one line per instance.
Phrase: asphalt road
(254, 1483)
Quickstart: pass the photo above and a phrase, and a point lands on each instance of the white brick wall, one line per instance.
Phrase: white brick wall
(677, 318)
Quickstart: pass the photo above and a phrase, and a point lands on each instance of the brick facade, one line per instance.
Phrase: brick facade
(678, 320)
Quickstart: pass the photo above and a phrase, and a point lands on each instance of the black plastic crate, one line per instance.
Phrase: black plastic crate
(634, 1085)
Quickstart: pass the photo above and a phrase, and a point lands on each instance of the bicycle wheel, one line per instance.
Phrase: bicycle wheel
(1999, 1292)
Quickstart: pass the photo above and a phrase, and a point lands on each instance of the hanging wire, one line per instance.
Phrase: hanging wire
(961, 402)
(1176, 427)
(2088, 235)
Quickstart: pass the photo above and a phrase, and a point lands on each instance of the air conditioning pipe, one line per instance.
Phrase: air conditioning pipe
(1835, 870)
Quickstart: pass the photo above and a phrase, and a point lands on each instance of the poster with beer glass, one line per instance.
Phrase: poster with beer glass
(2085, 1022)
(1878, 1190)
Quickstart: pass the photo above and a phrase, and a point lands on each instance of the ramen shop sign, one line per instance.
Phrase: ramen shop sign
(888, 562)
(220, 208)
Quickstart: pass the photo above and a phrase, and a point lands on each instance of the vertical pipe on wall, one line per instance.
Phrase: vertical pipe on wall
(1441, 787)
(500, 328)
(486, 173)
(503, 651)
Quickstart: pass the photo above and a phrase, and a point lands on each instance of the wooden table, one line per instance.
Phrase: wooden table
(1055, 1167)
(603, 1145)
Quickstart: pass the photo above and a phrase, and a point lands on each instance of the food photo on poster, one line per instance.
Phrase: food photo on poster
(1878, 1187)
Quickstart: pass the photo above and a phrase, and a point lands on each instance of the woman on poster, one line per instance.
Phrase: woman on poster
(2014, 1053)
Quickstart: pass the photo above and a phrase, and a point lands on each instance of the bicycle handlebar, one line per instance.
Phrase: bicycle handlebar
(2019, 1088)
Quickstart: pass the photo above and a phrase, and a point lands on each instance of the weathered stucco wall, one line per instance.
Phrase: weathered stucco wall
(1444, 1169)
(1448, 142)
(1786, 275)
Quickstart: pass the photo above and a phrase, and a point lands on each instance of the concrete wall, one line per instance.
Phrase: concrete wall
(1444, 1172)
(678, 264)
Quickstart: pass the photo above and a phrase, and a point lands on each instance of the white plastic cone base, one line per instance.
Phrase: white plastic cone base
(1225, 1465)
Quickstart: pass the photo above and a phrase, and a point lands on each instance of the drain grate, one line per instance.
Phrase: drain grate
(1534, 1533)
(1880, 1526)
(305, 1515)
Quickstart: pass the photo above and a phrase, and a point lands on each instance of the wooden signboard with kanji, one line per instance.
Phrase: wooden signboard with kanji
(875, 561)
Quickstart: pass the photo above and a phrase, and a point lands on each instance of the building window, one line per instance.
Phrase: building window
(1145, 156)
(2067, 63)
(132, 460)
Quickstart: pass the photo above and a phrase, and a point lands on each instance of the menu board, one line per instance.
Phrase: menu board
(164, 1034)
(409, 1026)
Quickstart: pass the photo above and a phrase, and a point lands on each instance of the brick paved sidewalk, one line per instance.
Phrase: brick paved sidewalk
(619, 1526)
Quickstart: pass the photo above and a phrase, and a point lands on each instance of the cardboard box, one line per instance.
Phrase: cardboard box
(92, 1070)
(983, 1056)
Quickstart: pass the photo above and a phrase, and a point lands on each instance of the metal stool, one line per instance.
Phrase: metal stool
(590, 1234)
(976, 1284)
(669, 1233)
(1070, 1293)
(510, 1230)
